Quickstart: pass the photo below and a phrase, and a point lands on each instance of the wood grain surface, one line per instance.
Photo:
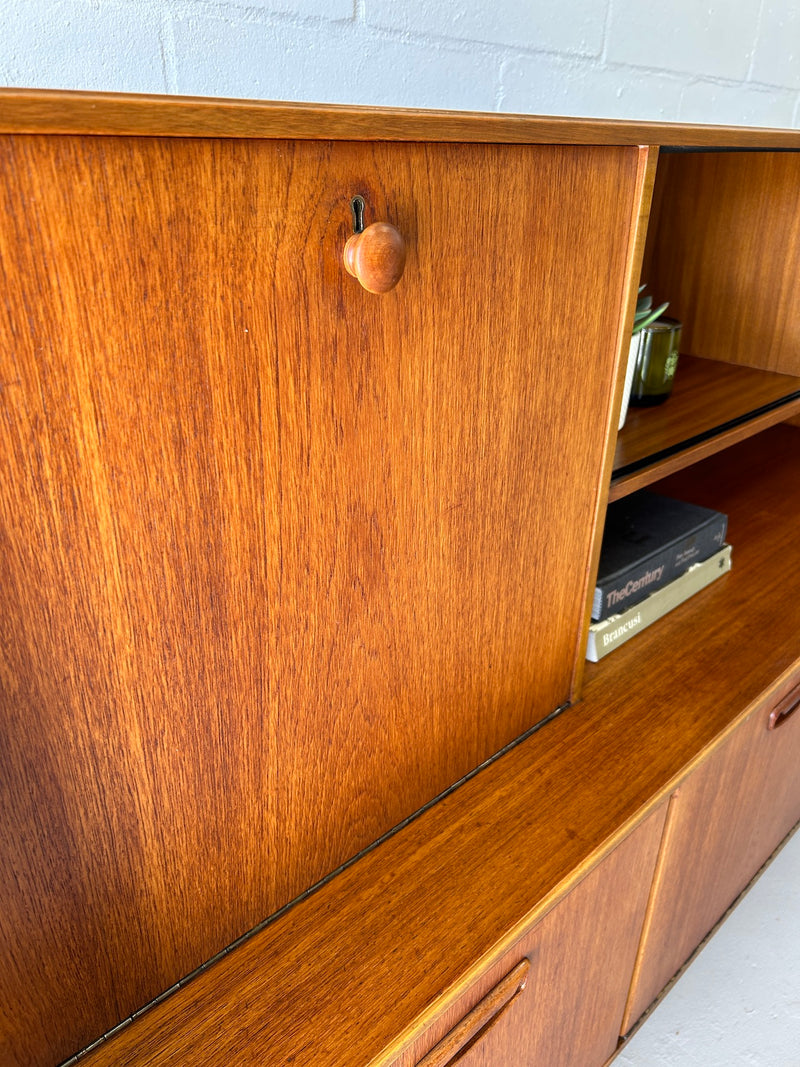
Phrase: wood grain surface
(484, 1015)
(57, 111)
(360, 969)
(280, 559)
(724, 249)
(709, 397)
(583, 953)
(724, 822)
(582, 956)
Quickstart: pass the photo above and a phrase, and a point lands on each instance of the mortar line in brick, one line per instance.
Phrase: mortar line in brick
(606, 32)
(233, 12)
(502, 70)
(169, 58)
(751, 64)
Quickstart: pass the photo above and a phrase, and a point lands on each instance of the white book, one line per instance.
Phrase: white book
(607, 635)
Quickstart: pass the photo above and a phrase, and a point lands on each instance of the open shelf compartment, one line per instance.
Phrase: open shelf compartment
(713, 406)
(747, 621)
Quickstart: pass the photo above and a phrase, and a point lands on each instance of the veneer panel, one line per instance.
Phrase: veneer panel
(280, 559)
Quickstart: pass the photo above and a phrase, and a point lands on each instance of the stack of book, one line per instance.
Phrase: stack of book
(656, 553)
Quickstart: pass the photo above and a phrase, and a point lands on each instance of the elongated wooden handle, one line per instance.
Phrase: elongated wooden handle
(781, 713)
(482, 1017)
(376, 256)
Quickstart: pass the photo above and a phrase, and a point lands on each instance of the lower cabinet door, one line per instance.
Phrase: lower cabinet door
(722, 824)
(557, 998)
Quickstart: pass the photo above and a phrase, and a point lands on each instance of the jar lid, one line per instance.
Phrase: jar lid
(663, 325)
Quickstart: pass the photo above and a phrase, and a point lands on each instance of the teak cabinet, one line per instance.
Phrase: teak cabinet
(283, 561)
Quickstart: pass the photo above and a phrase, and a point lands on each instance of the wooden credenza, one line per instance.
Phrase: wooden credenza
(284, 561)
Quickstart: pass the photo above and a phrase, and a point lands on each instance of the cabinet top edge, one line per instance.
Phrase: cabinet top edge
(60, 111)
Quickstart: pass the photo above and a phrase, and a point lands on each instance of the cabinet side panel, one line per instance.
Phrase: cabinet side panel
(726, 254)
(280, 559)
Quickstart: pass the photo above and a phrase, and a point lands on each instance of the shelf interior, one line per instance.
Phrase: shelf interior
(753, 609)
(713, 405)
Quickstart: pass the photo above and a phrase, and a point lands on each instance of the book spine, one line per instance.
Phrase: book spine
(644, 578)
(609, 634)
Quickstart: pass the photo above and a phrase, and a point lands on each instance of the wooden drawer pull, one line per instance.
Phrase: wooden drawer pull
(782, 712)
(482, 1017)
(376, 256)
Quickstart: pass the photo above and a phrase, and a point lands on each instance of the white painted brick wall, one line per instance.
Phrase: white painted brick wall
(568, 26)
(777, 56)
(714, 39)
(732, 61)
(73, 44)
(328, 61)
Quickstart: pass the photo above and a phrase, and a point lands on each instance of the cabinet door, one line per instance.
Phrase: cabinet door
(280, 559)
(722, 824)
(581, 956)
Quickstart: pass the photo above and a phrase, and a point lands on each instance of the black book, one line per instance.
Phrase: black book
(648, 541)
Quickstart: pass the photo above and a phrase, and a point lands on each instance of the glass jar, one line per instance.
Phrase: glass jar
(656, 362)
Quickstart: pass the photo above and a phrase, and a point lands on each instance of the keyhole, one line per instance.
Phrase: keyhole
(357, 206)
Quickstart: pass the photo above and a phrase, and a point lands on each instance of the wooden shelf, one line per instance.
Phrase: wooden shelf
(408, 926)
(749, 614)
(713, 406)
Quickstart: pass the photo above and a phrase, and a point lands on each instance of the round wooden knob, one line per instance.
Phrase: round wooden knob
(376, 256)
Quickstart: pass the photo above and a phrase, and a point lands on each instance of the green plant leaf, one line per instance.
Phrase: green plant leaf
(651, 316)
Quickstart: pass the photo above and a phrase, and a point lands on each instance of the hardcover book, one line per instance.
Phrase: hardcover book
(607, 635)
(648, 541)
